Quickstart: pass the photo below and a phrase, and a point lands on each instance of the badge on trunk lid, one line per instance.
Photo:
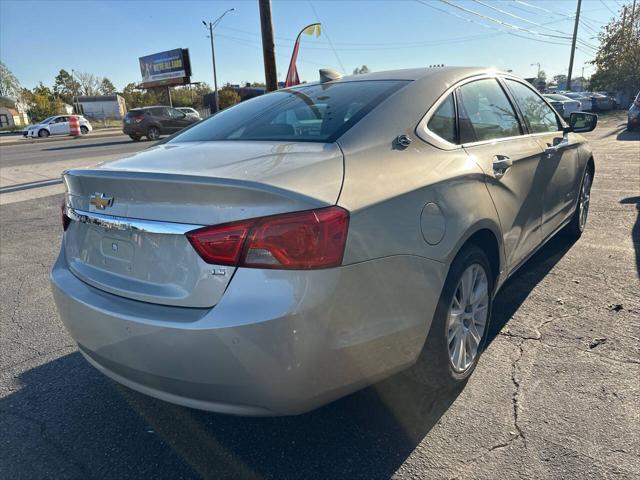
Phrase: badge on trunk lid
(100, 200)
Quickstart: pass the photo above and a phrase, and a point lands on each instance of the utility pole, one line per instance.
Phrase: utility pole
(268, 48)
(211, 26)
(573, 45)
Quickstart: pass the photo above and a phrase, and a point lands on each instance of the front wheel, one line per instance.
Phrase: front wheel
(153, 133)
(43, 133)
(461, 322)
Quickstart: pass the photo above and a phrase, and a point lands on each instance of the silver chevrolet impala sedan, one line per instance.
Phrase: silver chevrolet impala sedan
(304, 244)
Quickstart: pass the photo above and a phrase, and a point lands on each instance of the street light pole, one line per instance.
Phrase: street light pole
(538, 64)
(75, 91)
(211, 26)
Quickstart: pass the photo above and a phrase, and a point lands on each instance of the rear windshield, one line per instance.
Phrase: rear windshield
(312, 113)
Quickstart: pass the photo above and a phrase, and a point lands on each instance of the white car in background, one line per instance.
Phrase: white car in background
(569, 105)
(56, 125)
(585, 100)
(189, 112)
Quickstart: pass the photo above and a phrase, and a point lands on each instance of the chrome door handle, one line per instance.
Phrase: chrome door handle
(550, 150)
(501, 163)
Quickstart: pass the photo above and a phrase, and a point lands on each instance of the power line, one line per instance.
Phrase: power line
(612, 12)
(504, 12)
(328, 38)
(469, 20)
(504, 24)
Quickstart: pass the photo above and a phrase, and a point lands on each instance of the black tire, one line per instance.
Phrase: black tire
(135, 138)
(575, 227)
(434, 367)
(43, 133)
(153, 133)
(84, 130)
(629, 127)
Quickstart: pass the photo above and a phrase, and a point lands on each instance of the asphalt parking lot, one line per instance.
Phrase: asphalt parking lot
(556, 394)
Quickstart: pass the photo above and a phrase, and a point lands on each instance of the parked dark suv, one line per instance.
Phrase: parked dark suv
(151, 122)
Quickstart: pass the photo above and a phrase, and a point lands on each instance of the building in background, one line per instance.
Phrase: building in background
(12, 113)
(103, 107)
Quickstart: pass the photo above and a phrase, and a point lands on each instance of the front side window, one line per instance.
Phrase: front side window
(308, 113)
(443, 121)
(538, 116)
(485, 113)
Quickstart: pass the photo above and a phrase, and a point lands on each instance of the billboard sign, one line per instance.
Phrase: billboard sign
(166, 68)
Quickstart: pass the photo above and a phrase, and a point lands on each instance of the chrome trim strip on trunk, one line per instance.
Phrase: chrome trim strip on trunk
(129, 224)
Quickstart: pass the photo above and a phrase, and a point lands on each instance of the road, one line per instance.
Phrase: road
(33, 168)
(556, 394)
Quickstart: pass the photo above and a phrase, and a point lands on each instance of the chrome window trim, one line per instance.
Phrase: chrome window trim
(432, 138)
(423, 132)
(113, 222)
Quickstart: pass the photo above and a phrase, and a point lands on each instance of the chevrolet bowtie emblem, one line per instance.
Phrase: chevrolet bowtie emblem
(100, 201)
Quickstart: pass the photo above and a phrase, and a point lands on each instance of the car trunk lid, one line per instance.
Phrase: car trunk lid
(130, 239)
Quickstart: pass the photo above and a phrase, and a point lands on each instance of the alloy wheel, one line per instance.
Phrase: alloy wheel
(585, 196)
(467, 317)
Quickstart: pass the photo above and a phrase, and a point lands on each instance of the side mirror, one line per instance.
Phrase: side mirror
(581, 122)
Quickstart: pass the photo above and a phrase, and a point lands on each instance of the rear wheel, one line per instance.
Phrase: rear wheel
(43, 133)
(579, 221)
(153, 133)
(84, 130)
(135, 138)
(460, 324)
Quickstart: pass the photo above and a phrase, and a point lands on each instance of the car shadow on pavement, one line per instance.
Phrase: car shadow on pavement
(626, 135)
(635, 231)
(79, 421)
(515, 291)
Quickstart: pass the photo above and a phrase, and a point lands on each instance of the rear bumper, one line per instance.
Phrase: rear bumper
(132, 129)
(278, 343)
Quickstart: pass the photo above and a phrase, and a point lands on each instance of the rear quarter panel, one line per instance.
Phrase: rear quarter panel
(386, 187)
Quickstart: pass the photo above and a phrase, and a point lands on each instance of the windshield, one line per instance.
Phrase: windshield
(46, 120)
(313, 113)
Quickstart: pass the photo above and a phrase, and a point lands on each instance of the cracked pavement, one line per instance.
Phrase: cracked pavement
(556, 394)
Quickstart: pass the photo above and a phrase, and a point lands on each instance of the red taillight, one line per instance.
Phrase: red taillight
(65, 219)
(301, 241)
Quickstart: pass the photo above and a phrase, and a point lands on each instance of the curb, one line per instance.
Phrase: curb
(30, 141)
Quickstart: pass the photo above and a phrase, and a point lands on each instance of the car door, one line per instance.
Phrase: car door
(55, 126)
(560, 160)
(163, 116)
(492, 134)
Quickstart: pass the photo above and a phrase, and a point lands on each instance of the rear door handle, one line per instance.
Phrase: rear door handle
(501, 163)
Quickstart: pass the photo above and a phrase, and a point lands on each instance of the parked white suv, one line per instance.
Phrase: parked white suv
(56, 125)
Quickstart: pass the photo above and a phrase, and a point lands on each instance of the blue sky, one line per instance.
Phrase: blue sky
(106, 38)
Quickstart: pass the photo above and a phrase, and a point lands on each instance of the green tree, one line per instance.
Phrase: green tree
(361, 70)
(106, 87)
(227, 97)
(616, 62)
(9, 84)
(560, 79)
(65, 86)
(42, 103)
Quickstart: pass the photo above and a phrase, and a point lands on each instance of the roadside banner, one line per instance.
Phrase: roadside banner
(292, 73)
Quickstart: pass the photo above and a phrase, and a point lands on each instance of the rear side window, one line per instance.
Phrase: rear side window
(485, 112)
(309, 113)
(443, 121)
(538, 116)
